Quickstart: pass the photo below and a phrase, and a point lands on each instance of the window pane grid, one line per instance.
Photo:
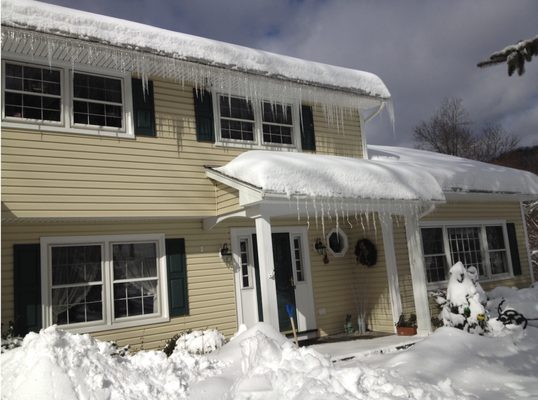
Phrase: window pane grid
(465, 247)
(32, 93)
(298, 259)
(76, 284)
(244, 256)
(277, 123)
(97, 101)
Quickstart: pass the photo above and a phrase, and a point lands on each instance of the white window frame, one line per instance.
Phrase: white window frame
(258, 142)
(444, 225)
(345, 246)
(250, 263)
(108, 322)
(67, 125)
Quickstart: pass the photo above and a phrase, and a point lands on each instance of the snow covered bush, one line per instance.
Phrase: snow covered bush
(9, 339)
(464, 304)
(195, 342)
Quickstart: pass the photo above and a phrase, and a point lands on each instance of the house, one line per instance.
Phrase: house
(154, 182)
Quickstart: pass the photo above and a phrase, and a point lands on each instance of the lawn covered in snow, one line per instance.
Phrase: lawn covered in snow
(259, 363)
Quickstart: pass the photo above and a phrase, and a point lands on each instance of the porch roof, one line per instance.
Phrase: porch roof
(456, 175)
(300, 175)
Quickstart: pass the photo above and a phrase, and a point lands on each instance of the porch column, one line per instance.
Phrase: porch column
(392, 268)
(418, 275)
(267, 270)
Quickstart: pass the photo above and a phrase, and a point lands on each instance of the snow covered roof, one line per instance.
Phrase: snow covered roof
(456, 174)
(324, 176)
(93, 28)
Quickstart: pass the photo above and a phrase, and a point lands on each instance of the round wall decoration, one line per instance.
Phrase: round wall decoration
(366, 252)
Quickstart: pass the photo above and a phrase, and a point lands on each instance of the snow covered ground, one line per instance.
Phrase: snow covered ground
(259, 363)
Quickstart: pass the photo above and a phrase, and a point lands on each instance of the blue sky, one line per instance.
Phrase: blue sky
(423, 50)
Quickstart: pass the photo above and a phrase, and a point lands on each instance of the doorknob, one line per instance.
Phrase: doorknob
(292, 282)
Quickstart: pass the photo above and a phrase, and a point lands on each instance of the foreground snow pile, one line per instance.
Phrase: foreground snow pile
(259, 363)
(56, 364)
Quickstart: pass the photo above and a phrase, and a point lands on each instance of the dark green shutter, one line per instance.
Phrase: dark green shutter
(308, 137)
(143, 108)
(514, 251)
(27, 281)
(176, 267)
(203, 111)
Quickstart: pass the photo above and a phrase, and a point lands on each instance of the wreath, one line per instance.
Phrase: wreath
(366, 252)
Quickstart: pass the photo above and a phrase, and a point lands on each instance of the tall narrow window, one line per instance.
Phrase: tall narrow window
(32, 93)
(77, 284)
(243, 253)
(135, 279)
(434, 254)
(298, 259)
(236, 118)
(497, 250)
(97, 100)
(277, 123)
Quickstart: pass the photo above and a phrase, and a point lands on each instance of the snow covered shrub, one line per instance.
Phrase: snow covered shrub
(9, 339)
(464, 304)
(195, 342)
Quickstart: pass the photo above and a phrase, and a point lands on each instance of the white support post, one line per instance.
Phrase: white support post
(267, 270)
(418, 275)
(392, 268)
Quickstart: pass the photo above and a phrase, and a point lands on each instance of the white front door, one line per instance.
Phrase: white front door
(293, 283)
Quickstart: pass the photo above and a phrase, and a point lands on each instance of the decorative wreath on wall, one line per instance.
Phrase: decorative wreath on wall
(366, 252)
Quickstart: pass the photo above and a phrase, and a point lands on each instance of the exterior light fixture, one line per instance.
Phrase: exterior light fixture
(320, 247)
(225, 253)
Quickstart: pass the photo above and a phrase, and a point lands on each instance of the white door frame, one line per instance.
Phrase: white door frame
(246, 299)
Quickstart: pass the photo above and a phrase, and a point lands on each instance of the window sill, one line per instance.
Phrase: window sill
(61, 129)
(118, 325)
(444, 284)
(256, 146)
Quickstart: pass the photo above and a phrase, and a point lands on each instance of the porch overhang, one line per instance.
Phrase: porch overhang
(388, 191)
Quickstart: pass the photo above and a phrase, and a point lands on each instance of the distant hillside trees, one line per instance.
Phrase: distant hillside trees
(449, 131)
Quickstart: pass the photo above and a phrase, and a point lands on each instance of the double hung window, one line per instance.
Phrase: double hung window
(483, 246)
(264, 123)
(59, 98)
(104, 281)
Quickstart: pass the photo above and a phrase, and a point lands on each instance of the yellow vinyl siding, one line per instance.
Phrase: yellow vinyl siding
(342, 282)
(64, 175)
(210, 282)
(227, 199)
(342, 137)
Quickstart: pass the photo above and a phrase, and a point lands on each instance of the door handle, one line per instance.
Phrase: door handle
(292, 282)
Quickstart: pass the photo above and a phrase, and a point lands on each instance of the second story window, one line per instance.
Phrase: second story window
(60, 99)
(97, 100)
(256, 124)
(236, 119)
(32, 93)
(277, 123)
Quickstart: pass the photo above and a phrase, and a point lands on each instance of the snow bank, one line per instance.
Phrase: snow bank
(57, 364)
(456, 174)
(332, 176)
(67, 22)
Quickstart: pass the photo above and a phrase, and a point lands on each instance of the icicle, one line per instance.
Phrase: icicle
(315, 211)
(323, 220)
(307, 214)
(298, 210)
(362, 223)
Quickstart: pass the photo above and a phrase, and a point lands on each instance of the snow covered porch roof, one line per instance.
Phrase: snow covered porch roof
(460, 176)
(290, 183)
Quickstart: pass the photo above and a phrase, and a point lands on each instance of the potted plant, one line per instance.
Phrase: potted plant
(407, 327)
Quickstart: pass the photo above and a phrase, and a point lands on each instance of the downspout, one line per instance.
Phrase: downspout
(363, 122)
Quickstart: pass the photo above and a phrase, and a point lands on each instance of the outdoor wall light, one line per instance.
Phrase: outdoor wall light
(320, 247)
(225, 253)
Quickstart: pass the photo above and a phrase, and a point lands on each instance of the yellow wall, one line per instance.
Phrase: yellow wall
(59, 175)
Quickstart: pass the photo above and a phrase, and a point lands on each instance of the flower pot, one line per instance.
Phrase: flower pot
(406, 330)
